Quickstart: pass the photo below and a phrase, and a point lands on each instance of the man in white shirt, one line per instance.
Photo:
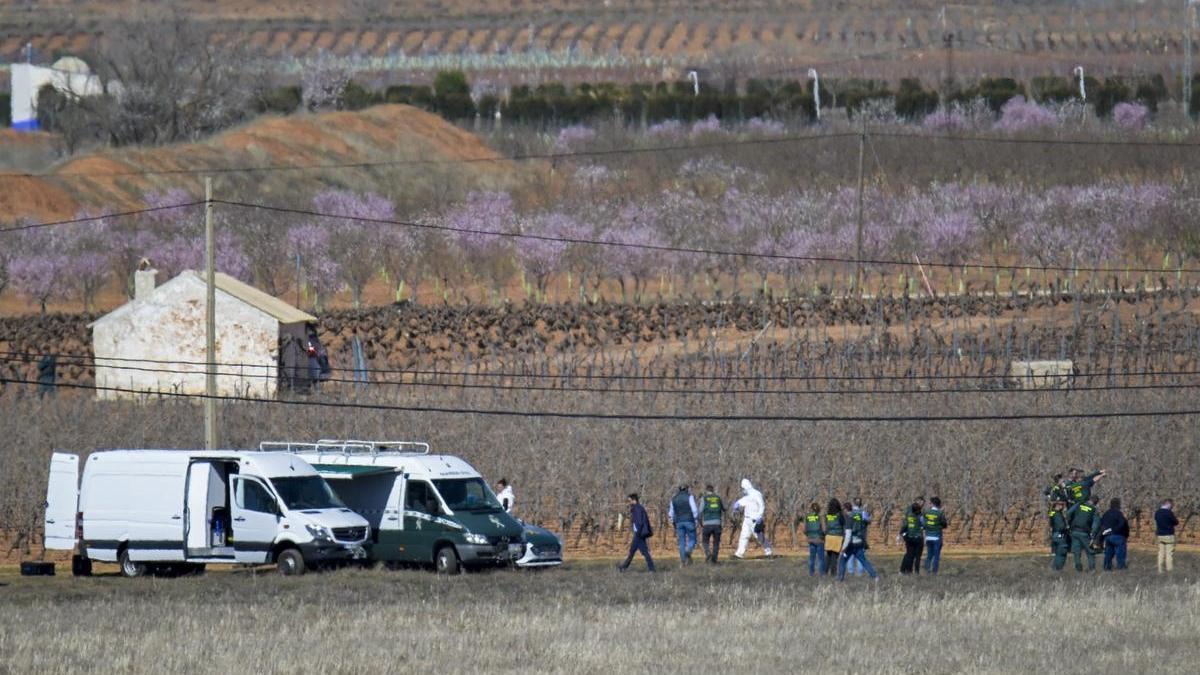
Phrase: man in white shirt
(505, 495)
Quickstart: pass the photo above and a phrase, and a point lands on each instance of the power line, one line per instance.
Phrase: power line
(88, 219)
(640, 416)
(270, 372)
(699, 251)
(17, 357)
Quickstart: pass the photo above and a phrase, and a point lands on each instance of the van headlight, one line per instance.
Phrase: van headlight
(319, 532)
(473, 538)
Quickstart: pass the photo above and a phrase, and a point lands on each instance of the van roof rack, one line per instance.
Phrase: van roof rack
(348, 447)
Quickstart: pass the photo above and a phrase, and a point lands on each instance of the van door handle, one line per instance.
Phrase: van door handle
(50, 521)
(176, 517)
(389, 518)
(239, 519)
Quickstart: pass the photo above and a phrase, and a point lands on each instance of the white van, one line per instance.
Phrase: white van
(423, 509)
(177, 510)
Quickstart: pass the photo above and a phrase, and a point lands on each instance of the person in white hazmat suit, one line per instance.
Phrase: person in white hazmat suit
(753, 509)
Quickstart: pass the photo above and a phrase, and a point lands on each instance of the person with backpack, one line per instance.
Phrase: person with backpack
(639, 522)
(712, 517)
(1060, 532)
(934, 524)
(683, 513)
(814, 532)
(1084, 522)
(835, 530)
(854, 543)
(913, 537)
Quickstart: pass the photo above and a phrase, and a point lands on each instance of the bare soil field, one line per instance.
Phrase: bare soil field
(983, 614)
(391, 133)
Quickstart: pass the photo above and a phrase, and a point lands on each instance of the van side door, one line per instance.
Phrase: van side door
(255, 520)
(421, 530)
(62, 502)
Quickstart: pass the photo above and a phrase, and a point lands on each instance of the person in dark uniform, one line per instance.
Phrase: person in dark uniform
(913, 536)
(1060, 532)
(712, 517)
(1085, 525)
(814, 532)
(835, 529)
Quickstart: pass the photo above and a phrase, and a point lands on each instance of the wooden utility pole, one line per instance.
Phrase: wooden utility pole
(858, 234)
(210, 322)
(1189, 16)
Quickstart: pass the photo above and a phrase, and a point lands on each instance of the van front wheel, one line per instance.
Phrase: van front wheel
(446, 561)
(129, 568)
(290, 562)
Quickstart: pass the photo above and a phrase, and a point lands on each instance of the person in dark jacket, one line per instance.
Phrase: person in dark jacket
(640, 523)
(914, 538)
(1164, 533)
(47, 377)
(1115, 530)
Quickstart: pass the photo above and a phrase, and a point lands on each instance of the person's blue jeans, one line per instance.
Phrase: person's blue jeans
(686, 534)
(859, 554)
(933, 555)
(856, 567)
(816, 559)
(1114, 546)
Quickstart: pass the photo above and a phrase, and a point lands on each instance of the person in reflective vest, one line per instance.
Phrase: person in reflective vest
(835, 529)
(913, 537)
(855, 542)
(712, 516)
(1056, 490)
(934, 524)
(1084, 522)
(1079, 487)
(814, 532)
(1060, 533)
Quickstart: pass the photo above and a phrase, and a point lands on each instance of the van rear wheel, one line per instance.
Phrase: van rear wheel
(446, 561)
(129, 568)
(290, 562)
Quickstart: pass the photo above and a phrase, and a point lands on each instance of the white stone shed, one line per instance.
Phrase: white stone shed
(155, 342)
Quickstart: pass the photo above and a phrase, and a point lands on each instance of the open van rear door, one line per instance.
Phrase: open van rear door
(62, 502)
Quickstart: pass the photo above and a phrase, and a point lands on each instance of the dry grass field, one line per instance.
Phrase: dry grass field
(983, 615)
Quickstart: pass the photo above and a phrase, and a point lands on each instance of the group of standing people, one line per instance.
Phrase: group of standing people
(837, 538)
(1078, 527)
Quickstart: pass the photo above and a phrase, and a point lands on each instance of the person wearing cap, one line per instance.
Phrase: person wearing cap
(683, 512)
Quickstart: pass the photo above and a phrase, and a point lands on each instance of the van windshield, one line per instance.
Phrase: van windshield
(467, 494)
(306, 492)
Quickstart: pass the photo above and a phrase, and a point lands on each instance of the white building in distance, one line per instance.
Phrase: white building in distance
(156, 342)
(68, 75)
